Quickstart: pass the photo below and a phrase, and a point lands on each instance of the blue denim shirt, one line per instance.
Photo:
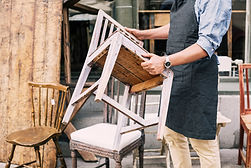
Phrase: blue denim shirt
(214, 18)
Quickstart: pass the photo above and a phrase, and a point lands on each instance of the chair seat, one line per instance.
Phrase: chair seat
(247, 120)
(32, 136)
(102, 135)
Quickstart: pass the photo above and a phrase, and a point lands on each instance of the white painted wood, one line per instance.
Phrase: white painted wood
(79, 86)
(122, 118)
(96, 33)
(119, 26)
(101, 48)
(111, 29)
(165, 97)
(104, 31)
(109, 64)
(135, 48)
(134, 127)
(122, 109)
(86, 92)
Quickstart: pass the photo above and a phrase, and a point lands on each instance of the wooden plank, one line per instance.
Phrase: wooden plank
(39, 44)
(24, 24)
(84, 8)
(147, 84)
(154, 11)
(238, 11)
(20, 49)
(127, 68)
(67, 52)
(69, 3)
(52, 55)
(165, 98)
(5, 44)
(161, 19)
(53, 47)
(120, 72)
(230, 40)
(130, 61)
(151, 26)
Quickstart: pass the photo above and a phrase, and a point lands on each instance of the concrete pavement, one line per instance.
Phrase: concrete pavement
(228, 160)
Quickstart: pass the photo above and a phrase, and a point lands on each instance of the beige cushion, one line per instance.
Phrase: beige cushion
(103, 135)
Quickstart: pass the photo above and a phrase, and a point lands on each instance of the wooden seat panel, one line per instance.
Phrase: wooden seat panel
(127, 68)
(32, 136)
(246, 120)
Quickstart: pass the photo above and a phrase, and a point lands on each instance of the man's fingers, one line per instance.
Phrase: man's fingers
(128, 29)
(148, 55)
(144, 64)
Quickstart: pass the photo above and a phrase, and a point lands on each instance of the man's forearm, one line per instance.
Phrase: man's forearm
(156, 33)
(190, 54)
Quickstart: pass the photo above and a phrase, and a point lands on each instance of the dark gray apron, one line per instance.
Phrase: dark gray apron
(194, 96)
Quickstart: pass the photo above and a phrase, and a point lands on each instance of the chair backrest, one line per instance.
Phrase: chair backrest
(113, 116)
(48, 104)
(113, 90)
(244, 72)
(225, 64)
(104, 27)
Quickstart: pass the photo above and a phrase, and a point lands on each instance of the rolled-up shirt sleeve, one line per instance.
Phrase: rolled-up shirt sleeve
(213, 18)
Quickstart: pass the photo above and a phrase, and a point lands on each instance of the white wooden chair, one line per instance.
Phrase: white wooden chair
(225, 65)
(118, 53)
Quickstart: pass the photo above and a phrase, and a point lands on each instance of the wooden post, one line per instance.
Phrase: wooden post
(69, 3)
(230, 40)
(67, 54)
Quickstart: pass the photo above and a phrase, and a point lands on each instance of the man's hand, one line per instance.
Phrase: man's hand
(137, 33)
(155, 65)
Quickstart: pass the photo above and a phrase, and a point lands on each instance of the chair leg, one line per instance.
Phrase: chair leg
(108, 67)
(248, 154)
(135, 155)
(107, 163)
(74, 158)
(141, 156)
(118, 164)
(38, 157)
(11, 156)
(240, 145)
(59, 153)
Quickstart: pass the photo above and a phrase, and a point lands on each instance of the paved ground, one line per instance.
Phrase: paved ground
(228, 160)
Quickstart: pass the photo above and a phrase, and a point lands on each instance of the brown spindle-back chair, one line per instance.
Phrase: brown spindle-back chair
(245, 115)
(47, 112)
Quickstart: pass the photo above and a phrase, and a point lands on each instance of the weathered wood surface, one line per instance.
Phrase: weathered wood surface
(30, 42)
(67, 54)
